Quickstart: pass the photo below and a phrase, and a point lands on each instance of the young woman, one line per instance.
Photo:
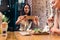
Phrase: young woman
(56, 27)
(26, 12)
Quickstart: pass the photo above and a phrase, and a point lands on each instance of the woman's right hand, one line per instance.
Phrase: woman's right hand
(36, 20)
(19, 19)
(54, 30)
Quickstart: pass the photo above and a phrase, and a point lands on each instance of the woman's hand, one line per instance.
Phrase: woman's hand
(52, 30)
(36, 20)
(19, 19)
(55, 30)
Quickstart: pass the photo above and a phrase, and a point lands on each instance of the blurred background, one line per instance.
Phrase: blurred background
(12, 9)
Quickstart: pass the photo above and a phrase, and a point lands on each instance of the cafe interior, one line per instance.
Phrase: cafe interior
(29, 19)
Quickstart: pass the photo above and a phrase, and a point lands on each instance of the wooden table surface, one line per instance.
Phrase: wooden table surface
(3, 37)
(37, 37)
(17, 36)
(9, 36)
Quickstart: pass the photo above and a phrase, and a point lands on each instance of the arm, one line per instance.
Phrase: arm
(56, 20)
(19, 19)
(17, 22)
(57, 31)
(54, 29)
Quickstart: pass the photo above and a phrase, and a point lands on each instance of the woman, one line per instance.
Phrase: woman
(26, 12)
(55, 28)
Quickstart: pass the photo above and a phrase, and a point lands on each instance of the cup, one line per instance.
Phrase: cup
(4, 26)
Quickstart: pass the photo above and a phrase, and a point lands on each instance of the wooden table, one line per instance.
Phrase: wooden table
(9, 36)
(17, 36)
(36, 37)
(3, 37)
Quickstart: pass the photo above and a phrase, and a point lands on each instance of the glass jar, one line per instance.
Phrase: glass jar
(4, 26)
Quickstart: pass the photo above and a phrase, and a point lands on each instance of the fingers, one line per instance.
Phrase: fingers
(19, 19)
(36, 20)
(54, 30)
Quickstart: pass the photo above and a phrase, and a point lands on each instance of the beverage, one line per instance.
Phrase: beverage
(4, 26)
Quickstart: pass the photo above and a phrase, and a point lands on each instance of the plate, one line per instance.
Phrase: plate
(24, 33)
(44, 33)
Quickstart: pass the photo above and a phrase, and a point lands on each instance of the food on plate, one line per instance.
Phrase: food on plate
(39, 31)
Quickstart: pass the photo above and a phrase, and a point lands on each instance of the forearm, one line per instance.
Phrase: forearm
(56, 20)
(58, 31)
(36, 20)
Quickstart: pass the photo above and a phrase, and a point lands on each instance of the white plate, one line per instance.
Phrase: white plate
(24, 33)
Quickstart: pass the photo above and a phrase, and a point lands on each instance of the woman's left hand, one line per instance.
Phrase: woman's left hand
(55, 30)
(36, 20)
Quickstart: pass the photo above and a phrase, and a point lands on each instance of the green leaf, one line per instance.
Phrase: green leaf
(5, 19)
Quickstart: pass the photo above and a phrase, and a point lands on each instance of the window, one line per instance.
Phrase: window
(20, 4)
(20, 1)
(0, 2)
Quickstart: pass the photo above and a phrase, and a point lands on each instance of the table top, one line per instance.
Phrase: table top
(9, 36)
(37, 37)
(18, 36)
(3, 37)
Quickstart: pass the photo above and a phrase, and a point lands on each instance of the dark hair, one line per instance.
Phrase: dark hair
(29, 13)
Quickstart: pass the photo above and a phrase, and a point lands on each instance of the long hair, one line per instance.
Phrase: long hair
(29, 13)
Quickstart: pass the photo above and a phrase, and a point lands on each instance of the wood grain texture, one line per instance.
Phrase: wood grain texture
(11, 36)
(37, 37)
(3, 37)
(17, 36)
